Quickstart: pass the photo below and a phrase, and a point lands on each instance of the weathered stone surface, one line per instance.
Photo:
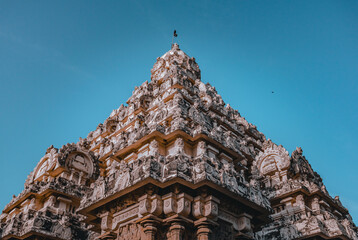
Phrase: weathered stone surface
(175, 163)
(47, 205)
(301, 203)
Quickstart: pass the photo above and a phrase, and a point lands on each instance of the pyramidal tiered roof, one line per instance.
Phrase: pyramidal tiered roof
(175, 163)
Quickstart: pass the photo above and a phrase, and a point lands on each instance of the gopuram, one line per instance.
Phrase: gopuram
(175, 163)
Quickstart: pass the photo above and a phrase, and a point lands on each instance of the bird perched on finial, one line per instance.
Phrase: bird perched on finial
(174, 36)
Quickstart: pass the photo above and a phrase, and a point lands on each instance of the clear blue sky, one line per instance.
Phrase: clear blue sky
(64, 65)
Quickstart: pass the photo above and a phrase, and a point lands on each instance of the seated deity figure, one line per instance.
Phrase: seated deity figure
(154, 148)
(199, 169)
(123, 179)
(137, 171)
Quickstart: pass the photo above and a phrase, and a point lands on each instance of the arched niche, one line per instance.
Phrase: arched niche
(269, 165)
(46, 164)
(273, 163)
(80, 162)
(41, 169)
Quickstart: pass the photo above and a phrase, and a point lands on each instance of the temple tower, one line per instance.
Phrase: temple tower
(175, 163)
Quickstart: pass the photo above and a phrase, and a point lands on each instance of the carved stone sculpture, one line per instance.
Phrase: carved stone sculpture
(175, 163)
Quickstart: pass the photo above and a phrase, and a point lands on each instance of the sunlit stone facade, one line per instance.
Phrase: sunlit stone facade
(175, 163)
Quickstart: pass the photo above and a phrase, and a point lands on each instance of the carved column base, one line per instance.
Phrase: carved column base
(150, 228)
(177, 227)
(176, 231)
(203, 232)
(204, 226)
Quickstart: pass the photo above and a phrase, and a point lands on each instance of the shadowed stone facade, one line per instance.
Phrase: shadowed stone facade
(175, 163)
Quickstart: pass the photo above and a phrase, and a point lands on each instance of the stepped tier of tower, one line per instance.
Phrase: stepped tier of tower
(175, 163)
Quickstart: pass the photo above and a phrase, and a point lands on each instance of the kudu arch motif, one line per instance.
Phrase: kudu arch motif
(176, 162)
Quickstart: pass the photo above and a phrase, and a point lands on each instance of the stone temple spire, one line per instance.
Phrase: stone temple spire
(175, 65)
(176, 162)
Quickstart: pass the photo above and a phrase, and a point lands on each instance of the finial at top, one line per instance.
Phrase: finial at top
(175, 64)
(175, 46)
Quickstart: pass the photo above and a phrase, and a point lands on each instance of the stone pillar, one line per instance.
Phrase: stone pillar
(176, 231)
(203, 229)
(106, 222)
(206, 211)
(150, 228)
(177, 208)
(244, 223)
(150, 207)
(244, 227)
